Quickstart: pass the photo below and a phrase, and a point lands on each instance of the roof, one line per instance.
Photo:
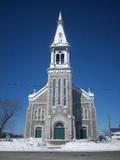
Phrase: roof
(88, 95)
(60, 38)
(35, 95)
(115, 129)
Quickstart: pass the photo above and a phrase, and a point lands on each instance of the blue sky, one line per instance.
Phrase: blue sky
(27, 29)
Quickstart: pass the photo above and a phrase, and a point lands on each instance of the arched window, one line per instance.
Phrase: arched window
(43, 114)
(39, 114)
(59, 124)
(62, 58)
(59, 91)
(35, 114)
(57, 58)
(54, 86)
(65, 93)
(38, 132)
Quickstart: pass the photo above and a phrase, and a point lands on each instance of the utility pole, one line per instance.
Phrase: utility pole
(109, 125)
(119, 125)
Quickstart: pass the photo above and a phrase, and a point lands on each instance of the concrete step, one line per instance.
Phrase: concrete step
(57, 142)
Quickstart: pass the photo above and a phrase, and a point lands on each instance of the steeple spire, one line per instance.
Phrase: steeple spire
(60, 38)
(60, 17)
(60, 48)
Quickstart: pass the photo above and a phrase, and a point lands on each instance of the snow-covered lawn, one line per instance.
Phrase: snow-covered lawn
(113, 145)
(33, 144)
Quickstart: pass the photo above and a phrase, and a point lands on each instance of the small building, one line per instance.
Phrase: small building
(115, 131)
(60, 110)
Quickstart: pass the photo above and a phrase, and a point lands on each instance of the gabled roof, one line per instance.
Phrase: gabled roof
(88, 95)
(35, 95)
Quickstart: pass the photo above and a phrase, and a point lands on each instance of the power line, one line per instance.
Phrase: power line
(18, 84)
(13, 84)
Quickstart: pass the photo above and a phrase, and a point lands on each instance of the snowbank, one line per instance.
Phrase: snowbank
(32, 144)
(113, 145)
(36, 144)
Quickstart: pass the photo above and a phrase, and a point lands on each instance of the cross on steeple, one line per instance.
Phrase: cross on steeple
(60, 17)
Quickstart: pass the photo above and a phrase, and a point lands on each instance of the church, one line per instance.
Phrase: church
(60, 110)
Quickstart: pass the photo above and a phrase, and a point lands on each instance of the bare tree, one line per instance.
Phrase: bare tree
(8, 109)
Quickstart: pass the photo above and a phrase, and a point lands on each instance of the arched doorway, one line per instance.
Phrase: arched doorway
(38, 132)
(83, 133)
(59, 130)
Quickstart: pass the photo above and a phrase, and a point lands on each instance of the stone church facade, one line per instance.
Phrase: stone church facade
(60, 110)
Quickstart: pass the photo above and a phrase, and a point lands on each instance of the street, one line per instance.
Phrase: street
(60, 155)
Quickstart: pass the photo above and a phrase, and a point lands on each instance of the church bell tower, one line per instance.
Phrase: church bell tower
(60, 48)
(59, 109)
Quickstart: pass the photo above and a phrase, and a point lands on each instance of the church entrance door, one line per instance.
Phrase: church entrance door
(59, 131)
(38, 132)
(83, 133)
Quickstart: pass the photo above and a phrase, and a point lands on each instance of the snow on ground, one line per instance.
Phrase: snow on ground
(113, 145)
(116, 135)
(32, 144)
(36, 144)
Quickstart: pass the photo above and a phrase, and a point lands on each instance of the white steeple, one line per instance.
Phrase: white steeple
(60, 48)
(60, 38)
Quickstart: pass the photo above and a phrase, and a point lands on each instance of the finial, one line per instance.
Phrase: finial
(34, 91)
(89, 90)
(60, 16)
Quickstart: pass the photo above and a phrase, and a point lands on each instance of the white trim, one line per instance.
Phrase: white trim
(34, 96)
(87, 95)
(58, 70)
(39, 103)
